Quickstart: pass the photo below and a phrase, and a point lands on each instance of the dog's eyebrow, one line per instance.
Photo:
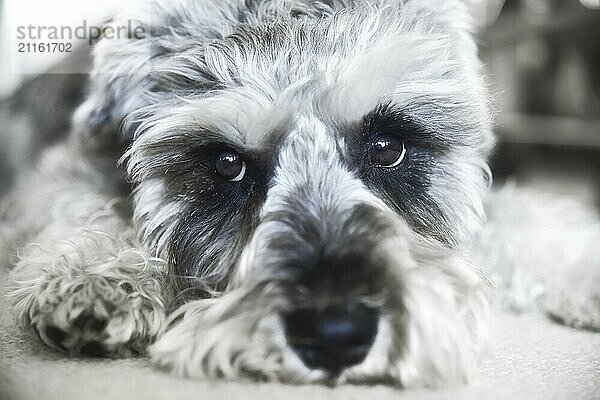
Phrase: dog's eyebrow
(184, 79)
(240, 117)
(199, 137)
(392, 119)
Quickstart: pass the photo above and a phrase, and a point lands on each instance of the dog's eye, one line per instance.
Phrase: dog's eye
(386, 151)
(230, 166)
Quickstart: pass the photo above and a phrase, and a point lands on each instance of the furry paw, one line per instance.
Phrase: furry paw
(90, 314)
(578, 307)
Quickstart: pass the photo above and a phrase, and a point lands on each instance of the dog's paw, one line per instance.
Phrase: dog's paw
(578, 307)
(91, 315)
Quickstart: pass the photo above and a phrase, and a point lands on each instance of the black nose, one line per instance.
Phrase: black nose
(333, 338)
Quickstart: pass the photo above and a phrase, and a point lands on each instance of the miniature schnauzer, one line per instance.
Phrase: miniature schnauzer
(290, 190)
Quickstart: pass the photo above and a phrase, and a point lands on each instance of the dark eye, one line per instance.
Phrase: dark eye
(230, 166)
(386, 151)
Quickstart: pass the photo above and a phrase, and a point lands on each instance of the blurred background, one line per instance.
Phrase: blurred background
(542, 57)
(543, 60)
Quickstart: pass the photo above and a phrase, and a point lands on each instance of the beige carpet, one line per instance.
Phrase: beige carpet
(531, 358)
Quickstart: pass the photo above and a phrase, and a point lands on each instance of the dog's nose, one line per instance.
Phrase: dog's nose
(333, 338)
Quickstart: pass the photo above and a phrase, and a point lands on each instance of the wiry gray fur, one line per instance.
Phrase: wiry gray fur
(290, 84)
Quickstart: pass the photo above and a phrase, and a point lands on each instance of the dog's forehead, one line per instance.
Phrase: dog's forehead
(269, 75)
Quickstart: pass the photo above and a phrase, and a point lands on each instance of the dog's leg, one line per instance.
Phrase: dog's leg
(82, 282)
(542, 252)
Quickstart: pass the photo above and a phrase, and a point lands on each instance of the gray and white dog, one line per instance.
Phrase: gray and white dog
(303, 198)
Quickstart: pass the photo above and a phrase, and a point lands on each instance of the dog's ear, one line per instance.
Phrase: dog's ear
(117, 85)
(453, 15)
(136, 42)
(459, 19)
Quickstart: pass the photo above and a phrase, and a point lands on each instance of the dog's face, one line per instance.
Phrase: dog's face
(311, 170)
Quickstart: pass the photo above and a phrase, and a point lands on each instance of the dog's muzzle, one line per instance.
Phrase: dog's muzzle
(334, 278)
(332, 338)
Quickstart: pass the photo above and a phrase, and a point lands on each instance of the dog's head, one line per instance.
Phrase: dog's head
(312, 171)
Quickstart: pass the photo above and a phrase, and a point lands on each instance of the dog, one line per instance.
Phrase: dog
(290, 190)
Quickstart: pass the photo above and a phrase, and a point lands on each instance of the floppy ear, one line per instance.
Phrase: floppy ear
(137, 42)
(118, 84)
(457, 18)
(454, 15)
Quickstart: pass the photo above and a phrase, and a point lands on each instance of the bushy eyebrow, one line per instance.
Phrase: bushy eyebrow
(184, 75)
(389, 118)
